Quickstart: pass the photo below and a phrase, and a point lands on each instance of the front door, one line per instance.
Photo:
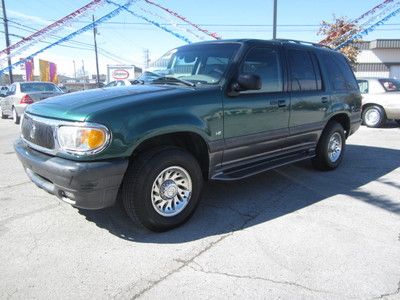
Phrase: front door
(256, 122)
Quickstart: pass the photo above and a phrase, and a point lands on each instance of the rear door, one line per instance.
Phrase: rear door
(310, 99)
(256, 122)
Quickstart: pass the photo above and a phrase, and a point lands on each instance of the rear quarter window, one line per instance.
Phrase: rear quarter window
(339, 72)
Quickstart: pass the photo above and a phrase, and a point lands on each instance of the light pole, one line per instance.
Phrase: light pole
(275, 16)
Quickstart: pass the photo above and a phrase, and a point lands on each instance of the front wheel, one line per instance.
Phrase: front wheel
(330, 148)
(161, 188)
(374, 116)
(16, 118)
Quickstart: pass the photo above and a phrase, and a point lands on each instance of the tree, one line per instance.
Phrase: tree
(339, 31)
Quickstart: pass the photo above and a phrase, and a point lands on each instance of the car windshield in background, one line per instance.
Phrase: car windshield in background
(39, 87)
(201, 64)
(390, 85)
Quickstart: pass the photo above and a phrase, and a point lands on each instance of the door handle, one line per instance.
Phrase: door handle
(281, 103)
(324, 99)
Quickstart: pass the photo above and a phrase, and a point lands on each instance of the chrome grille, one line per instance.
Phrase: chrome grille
(37, 133)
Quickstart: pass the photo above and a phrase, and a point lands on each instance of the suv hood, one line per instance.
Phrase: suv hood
(79, 105)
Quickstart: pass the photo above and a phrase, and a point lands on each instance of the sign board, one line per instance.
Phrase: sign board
(120, 72)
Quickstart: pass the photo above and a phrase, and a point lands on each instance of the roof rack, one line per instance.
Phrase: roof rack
(303, 43)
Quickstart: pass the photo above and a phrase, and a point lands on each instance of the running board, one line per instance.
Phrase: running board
(259, 167)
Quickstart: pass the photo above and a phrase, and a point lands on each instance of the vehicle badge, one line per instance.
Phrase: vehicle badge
(32, 132)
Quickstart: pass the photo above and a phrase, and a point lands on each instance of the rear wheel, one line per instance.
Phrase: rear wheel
(161, 188)
(374, 116)
(16, 118)
(330, 148)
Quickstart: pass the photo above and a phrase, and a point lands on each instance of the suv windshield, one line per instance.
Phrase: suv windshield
(390, 85)
(199, 64)
(39, 87)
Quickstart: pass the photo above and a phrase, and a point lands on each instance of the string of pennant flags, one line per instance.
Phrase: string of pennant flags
(367, 23)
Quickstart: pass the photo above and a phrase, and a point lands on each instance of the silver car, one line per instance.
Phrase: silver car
(21, 94)
(381, 100)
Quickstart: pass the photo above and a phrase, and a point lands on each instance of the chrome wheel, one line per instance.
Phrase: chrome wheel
(372, 117)
(171, 191)
(335, 147)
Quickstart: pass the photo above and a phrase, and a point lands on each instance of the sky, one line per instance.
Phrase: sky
(124, 38)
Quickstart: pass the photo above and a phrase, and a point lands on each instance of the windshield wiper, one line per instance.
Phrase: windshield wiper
(172, 79)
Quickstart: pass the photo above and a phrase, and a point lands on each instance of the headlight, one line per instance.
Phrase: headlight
(82, 140)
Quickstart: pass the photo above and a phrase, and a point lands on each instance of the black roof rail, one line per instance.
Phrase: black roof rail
(302, 42)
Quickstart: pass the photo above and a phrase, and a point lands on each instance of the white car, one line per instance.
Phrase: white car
(381, 100)
(22, 94)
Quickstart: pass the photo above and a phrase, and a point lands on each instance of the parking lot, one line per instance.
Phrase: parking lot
(289, 233)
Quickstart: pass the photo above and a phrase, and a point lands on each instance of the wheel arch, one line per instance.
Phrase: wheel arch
(190, 141)
(344, 120)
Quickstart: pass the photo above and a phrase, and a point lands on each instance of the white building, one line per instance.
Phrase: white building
(379, 58)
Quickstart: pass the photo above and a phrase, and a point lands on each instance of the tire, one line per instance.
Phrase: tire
(16, 118)
(330, 148)
(374, 116)
(398, 121)
(141, 191)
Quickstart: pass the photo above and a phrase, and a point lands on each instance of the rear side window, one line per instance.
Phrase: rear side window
(339, 72)
(39, 87)
(390, 85)
(304, 72)
(265, 63)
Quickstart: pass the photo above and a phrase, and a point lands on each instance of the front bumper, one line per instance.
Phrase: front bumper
(88, 185)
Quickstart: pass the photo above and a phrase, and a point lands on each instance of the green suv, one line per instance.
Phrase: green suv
(221, 110)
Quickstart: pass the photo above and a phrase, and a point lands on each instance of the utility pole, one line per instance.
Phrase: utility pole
(84, 75)
(95, 51)
(74, 70)
(275, 16)
(7, 40)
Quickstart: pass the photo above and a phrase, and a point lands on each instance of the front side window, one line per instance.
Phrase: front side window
(265, 63)
(390, 85)
(304, 74)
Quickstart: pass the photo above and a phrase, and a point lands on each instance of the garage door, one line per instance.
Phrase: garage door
(395, 72)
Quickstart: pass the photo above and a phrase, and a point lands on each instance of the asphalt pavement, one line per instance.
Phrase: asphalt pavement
(291, 233)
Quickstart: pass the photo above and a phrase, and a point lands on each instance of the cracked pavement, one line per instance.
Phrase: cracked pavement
(289, 233)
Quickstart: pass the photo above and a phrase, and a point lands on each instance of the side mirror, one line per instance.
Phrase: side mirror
(247, 82)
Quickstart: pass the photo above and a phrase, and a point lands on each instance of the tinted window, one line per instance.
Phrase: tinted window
(348, 74)
(339, 72)
(265, 63)
(390, 85)
(363, 86)
(39, 87)
(305, 74)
